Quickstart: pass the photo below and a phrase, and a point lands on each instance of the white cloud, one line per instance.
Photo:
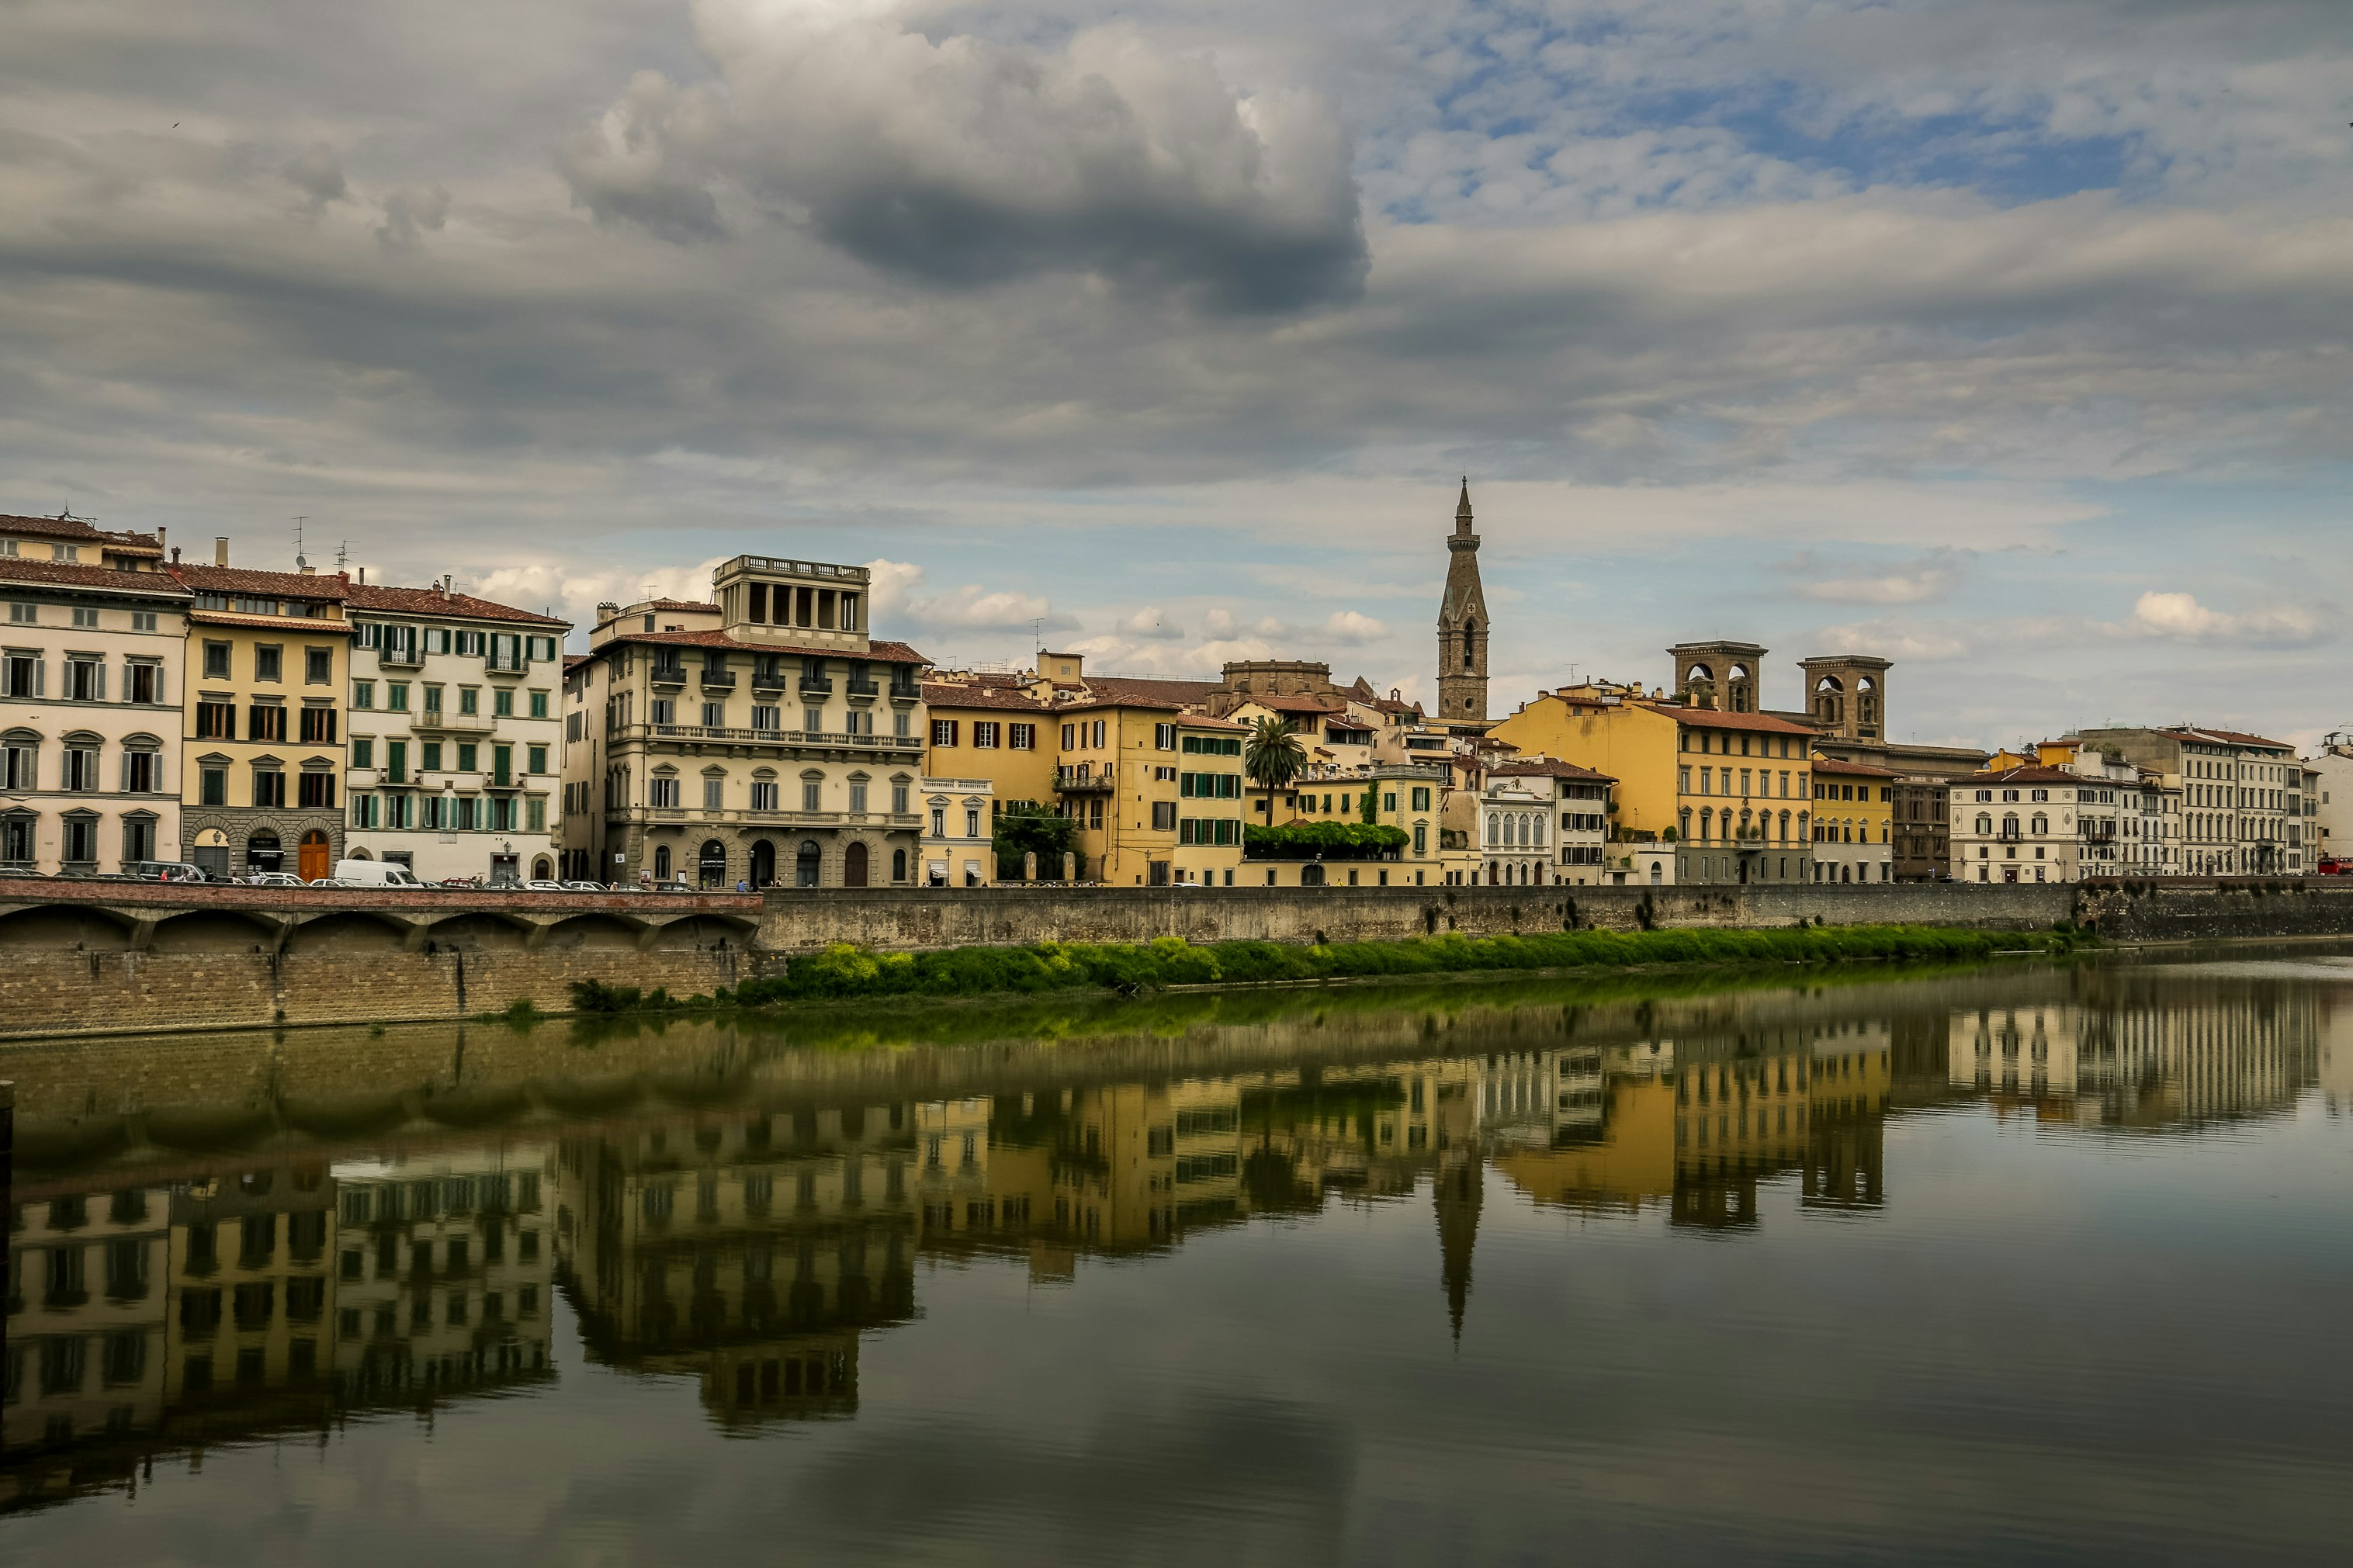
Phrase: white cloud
(1898, 640)
(1151, 622)
(574, 591)
(2180, 618)
(1350, 629)
(967, 608)
(1920, 582)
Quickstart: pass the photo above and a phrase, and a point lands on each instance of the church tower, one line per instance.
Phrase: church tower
(1463, 627)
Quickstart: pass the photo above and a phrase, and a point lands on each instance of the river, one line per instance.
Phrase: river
(2041, 1262)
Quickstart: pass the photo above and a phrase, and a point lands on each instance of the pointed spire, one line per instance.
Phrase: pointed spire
(1462, 508)
(1458, 1190)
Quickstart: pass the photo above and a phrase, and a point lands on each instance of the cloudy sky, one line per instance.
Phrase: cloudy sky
(2005, 340)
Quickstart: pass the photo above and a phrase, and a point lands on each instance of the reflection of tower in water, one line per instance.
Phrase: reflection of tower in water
(1457, 1192)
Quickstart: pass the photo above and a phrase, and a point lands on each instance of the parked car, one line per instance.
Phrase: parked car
(458, 883)
(676, 885)
(274, 879)
(542, 884)
(167, 871)
(584, 887)
(374, 874)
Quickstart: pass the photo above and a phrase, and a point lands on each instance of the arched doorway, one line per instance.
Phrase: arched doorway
(661, 862)
(262, 853)
(898, 865)
(710, 863)
(542, 871)
(853, 866)
(1311, 875)
(764, 863)
(805, 864)
(312, 859)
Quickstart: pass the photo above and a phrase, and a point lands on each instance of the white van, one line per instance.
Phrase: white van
(374, 874)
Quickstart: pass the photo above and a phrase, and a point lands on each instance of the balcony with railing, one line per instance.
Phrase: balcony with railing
(855, 690)
(906, 691)
(668, 674)
(1072, 780)
(737, 735)
(718, 678)
(769, 678)
(815, 684)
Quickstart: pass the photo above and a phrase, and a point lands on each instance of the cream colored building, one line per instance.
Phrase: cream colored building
(456, 739)
(764, 738)
(959, 828)
(89, 699)
(2018, 824)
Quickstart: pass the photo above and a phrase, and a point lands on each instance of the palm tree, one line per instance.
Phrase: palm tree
(1273, 757)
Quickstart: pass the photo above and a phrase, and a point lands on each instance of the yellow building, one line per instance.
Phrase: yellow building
(1123, 776)
(268, 668)
(990, 727)
(1854, 815)
(1731, 790)
(1408, 796)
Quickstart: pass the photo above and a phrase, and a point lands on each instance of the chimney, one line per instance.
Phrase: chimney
(363, 576)
(306, 569)
(221, 550)
(176, 555)
(163, 538)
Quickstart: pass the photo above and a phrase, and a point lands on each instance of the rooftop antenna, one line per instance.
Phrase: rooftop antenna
(299, 561)
(1038, 642)
(342, 555)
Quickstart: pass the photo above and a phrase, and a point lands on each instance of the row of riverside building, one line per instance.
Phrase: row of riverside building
(249, 720)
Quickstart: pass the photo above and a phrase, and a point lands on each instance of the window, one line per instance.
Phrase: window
(899, 796)
(944, 732)
(85, 679)
(1163, 814)
(317, 788)
(1022, 737)
(503, 703)
(21, 673)
(714, 794)
(812, 795)
(318, 667)
(143, 773)
(318, 724)
(813, 720)
(266, 721)
(23, 614)
(87, 619)
(1163, 737)
(81, 769)
(212, 786)
(537, 814)
(984, 734)
(858, 796)
(764, 795)
(19, 766)
(662, 792)
(395, 696)
(268, 786)
(269, 662)
(714, 715)
(767, 717)
(470, 700)
(142, 681)
(538, 759)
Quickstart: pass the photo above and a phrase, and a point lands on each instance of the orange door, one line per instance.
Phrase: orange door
(312, 863)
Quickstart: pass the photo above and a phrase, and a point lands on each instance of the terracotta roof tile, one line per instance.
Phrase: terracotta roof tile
(956, 694)
(73, 530)
(275, 584)
(307, 625)
(1548, 767)
(1709, 719)
(69, 575)
(433, 601)
(2030, 774)
(878, 652)
(1853, 770)
(1140, 691)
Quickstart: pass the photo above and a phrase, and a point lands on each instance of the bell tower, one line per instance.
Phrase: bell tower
(1462, 627)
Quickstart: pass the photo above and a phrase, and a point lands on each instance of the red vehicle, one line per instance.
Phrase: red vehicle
(2331, 866)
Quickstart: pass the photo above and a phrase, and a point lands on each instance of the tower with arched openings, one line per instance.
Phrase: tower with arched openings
(1462, 627)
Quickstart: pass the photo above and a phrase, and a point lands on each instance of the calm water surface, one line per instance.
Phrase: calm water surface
(2030, 1264)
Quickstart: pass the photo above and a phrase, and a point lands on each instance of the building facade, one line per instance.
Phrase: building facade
(1574, 805)
(1729, 794)
(267, 665)
(456, 745)
(89, 699)
(1150, 811)
(2020, 825)
(764, 739)
(959, 825)
(1923, 844)
(1854, 808)
(2237, 820)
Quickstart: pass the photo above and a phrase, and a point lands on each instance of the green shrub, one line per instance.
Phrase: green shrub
(1322, 841)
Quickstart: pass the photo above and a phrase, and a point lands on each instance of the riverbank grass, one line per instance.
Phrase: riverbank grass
(842, 972)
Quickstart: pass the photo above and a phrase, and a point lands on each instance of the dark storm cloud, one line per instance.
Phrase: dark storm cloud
(967, 162)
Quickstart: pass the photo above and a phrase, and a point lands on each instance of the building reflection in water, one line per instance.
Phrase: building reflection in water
(265, 1300)
(755, 1248)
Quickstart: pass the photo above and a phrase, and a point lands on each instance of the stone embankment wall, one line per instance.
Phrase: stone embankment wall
(118, 958)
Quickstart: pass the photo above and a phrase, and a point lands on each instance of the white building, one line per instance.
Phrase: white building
(959, 833)
(2018, 824)
(2242, 796)
(89, 698)
(456, 739)
(1572, 812)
